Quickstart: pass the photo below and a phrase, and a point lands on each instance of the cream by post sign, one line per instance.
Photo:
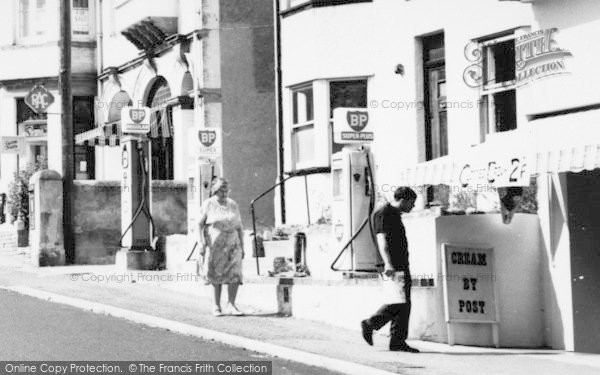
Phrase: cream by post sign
(469, 284)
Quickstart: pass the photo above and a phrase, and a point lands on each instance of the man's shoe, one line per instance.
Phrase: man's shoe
(403, 348)
(367, 332)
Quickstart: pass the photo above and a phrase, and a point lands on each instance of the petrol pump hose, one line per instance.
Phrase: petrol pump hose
(367, 219)
(142, 206)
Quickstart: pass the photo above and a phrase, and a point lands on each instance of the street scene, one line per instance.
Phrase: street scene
(299, 187)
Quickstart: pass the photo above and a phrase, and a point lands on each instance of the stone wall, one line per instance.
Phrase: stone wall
(97, 217)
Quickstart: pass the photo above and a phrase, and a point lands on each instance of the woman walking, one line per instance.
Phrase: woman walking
(222, 245)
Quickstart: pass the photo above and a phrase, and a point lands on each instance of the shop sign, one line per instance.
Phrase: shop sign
(208, 142)
(352, 125)
(499, 172)
(469, 284)
(12, 145)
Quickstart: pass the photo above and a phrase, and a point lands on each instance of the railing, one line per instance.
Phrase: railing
(303, 173)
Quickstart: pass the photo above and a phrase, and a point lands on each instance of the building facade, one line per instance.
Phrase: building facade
(195, 64)
(466, 98)
(29, 56)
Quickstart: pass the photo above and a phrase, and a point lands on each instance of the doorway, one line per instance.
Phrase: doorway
(583, 191)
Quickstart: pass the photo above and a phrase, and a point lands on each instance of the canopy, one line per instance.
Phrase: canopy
(565, 143)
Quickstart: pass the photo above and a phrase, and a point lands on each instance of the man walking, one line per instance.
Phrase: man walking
(393, 246)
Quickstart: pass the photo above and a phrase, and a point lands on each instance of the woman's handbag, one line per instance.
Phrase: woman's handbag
(393, 288)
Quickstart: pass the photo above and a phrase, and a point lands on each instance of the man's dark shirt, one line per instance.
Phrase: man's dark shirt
(388, 220)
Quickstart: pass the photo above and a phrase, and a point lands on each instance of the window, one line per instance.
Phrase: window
(498, 95)
(434, 94)
(311, 118)
(303, 126)
(162, 147)
(81, 17)
(348, 94)
(83, 120)
(32, 18)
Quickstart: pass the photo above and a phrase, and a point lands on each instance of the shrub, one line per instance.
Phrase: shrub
(18, 191)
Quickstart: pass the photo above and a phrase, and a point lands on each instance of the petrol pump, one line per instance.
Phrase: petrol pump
(137, 226)
(207, 148)
(200, 177)
(353, 193)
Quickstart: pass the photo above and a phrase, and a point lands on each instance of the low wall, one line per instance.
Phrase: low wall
(97, 216)
(324, 297)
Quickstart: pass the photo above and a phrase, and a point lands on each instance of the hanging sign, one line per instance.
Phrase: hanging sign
(135, 120)
(351, 125)
(207, 142)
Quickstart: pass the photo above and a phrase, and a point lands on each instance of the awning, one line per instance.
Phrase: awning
(110, 134)
(566, 143)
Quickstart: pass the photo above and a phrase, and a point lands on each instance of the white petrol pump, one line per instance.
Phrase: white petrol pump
(352, 171)
(207, 148)
(200, 177)
(137, 226)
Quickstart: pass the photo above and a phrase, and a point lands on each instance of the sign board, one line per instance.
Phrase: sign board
(135, 120)
(469, 284)
(351, 125)
(12, 145)
(207, 142)
(494, 172)
(39, 99)
(8, 239)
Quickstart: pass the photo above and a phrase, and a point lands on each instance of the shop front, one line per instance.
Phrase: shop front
(544, 275)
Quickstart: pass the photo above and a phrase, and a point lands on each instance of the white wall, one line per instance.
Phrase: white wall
(517, 270)
(369, 40)
(578, 21)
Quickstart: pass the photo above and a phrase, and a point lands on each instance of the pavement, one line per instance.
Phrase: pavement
(181, 304)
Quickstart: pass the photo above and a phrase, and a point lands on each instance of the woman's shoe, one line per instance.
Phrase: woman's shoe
(217, 311)
(232, 310)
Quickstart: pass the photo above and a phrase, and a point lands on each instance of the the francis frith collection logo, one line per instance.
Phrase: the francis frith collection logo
(537, 55)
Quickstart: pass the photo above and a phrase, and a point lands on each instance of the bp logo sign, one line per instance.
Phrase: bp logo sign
(351, 125)
(207, 137)
(208, 143)
(357, 120)
(135, 120)
(137, 115)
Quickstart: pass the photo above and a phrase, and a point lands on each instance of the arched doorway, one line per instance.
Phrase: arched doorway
(162, 147)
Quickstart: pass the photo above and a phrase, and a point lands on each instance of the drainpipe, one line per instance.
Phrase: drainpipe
(99, 69)
(280, 155)
(99, 41)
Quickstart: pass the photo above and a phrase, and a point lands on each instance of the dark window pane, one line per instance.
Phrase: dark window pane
(504, 60)
(505, 110)
(348, 94)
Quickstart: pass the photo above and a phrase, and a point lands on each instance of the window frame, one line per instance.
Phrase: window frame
(321, 124)
(302, 125)
(34, 34)
(489, 87)
(330, 110)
